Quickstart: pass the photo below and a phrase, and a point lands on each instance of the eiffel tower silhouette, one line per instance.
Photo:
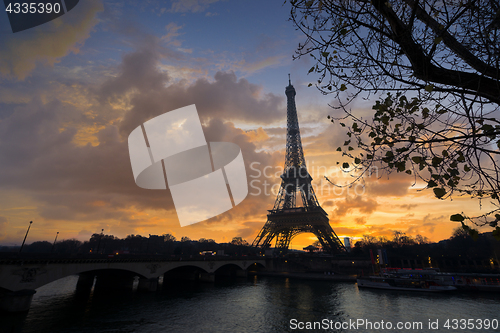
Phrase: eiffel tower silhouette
(286, 220)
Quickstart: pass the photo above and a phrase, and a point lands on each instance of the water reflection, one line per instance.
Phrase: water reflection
(248, 305)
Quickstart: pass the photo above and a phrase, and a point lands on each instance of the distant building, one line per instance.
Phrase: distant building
(347, 244)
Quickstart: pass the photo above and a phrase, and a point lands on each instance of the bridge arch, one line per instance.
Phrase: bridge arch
(186, 266)
(230, 269)
(38, 276)
(256, 266)
(186, 272)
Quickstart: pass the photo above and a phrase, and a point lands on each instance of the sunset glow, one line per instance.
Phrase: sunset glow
(69, 98)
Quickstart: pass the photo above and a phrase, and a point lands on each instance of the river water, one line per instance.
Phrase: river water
(256, 304)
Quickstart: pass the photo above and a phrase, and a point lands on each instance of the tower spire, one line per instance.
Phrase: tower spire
(291, 216)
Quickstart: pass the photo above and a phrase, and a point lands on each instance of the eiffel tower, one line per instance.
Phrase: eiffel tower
(286, 220)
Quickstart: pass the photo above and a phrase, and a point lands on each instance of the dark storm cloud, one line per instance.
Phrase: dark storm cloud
(138, 71)
(36, 155)
(227, 97)
(81, 182)
(38, 151)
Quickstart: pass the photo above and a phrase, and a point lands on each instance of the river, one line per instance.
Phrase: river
(256, 304)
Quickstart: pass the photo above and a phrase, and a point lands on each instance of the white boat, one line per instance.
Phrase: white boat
(461, 281)
(470, 281)
(402, 283)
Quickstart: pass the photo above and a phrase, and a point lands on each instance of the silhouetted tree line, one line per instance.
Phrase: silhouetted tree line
(460, 246)
(67, 246)
(165, 244)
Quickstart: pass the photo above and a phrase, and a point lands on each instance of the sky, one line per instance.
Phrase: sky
(73, 89)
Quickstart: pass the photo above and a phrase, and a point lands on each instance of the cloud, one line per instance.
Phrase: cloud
(328, 203)
(248, 231)
(193, 6)
(46, 44)
(361, 220)
(172, 33)
(39, 153)
(227, 97)
(252, 67)
(36, 156)
(86, 182)
(346, 206)
(422, 228)
(395, 186)
(408, 206)
(68, 153)
(257, 135)
(429, 217)
(138, 72)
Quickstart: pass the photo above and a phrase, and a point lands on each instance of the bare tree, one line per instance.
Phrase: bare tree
(459, 233)
(239, 241)
(317, 244)
(434, 66)
(419, 239)
(169, 238)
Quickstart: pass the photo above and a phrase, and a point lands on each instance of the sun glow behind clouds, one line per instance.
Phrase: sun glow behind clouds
(63, 129)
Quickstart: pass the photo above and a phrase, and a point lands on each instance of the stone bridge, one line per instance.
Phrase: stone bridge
(20, 277)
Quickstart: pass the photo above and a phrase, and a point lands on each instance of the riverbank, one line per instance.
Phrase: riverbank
(309, 276)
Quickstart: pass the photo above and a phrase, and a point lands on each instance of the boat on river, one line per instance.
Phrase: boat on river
(405, 282)
(470, 281)
(461, 281)
(394, 283)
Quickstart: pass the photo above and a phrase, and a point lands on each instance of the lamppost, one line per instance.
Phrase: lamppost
(54, 243)
(21, 249)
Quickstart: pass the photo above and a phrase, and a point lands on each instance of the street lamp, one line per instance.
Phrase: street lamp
(21, 249)
(54, 243)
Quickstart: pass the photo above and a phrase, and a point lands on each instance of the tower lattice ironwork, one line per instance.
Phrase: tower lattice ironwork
(288, 218)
